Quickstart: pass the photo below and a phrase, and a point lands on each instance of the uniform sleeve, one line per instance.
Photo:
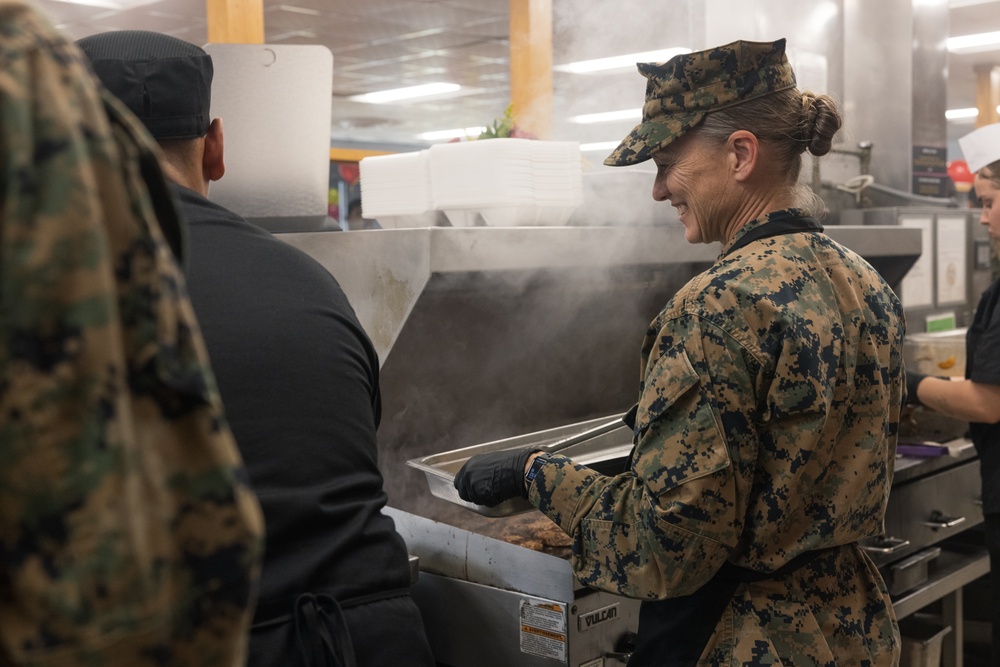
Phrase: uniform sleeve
(663, 528)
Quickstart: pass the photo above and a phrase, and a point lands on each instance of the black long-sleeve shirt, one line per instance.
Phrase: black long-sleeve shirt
(299, 382)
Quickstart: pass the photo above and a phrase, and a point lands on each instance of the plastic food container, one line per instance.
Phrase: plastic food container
(941, 353)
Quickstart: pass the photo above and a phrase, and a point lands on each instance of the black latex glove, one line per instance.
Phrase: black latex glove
(912, 380)
(490, 479)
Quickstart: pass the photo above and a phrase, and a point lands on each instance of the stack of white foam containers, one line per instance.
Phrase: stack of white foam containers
(396, 190)
(496, 182)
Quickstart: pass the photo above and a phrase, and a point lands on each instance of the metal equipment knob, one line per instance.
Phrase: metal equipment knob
(623, 648)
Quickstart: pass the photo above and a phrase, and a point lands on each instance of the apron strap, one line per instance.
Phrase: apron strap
(324, 640)
(323, 635)
(674, 632)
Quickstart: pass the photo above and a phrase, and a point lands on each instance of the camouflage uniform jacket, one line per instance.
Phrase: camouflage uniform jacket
(766, 427)
(126, 535)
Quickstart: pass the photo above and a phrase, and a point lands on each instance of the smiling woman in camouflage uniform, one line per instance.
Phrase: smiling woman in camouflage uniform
(128, 536)
(771, 390)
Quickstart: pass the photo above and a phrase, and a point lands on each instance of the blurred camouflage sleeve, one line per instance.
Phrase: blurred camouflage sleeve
(127, 533)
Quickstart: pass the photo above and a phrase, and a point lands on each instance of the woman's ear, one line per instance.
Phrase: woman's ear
(213, 163)
(743, 152)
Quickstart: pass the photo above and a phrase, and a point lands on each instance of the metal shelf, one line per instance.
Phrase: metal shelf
(954, 569)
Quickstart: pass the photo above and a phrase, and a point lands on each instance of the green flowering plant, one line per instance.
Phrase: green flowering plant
(505, 128)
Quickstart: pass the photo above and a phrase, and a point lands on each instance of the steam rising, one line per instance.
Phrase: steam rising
(490, 356)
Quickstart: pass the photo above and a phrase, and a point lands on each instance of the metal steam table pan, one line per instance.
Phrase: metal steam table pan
(603, 444)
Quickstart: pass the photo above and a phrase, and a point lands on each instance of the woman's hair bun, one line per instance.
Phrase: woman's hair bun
(820, 122)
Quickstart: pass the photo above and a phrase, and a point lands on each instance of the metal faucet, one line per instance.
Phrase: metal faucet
(864, 154)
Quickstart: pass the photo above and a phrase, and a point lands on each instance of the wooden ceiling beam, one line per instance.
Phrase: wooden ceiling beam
(531, 65)
(235, 21)
(987, 94)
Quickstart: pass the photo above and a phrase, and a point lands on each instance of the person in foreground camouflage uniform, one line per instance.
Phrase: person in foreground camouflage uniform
(771, 391)
(126, 534)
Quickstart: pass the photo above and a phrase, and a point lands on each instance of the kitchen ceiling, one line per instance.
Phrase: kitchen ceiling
(969, 18)
(383, 44)
(376, 45)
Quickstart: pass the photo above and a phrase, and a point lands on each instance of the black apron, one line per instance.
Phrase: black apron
(674, 632)
(323, 637)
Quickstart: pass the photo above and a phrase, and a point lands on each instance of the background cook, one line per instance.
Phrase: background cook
(976, 398)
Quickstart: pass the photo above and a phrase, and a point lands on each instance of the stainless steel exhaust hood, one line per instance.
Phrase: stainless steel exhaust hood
(384, 272)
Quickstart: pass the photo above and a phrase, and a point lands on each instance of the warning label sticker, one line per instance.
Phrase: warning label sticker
(543, 629)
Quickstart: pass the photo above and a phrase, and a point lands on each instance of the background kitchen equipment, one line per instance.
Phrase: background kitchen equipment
(951, 273)
(939, 354)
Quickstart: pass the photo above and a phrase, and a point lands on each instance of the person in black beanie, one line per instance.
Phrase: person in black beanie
(299, 380)
(976, 397)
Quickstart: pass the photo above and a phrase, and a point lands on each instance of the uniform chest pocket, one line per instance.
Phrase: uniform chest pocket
(678, 437)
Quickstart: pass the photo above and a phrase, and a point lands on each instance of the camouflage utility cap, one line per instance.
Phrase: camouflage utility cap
(682, 90)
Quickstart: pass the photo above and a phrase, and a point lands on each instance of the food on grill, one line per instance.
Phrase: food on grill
(526, 542)
(533, 531)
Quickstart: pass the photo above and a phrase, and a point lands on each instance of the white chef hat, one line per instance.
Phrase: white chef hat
(981, 147)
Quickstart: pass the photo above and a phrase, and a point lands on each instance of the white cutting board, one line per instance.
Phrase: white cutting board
(274, 102)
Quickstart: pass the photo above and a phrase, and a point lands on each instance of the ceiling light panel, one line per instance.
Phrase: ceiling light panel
(407, 93)
(983, 41)
(111, 4)
(955, 4)
(625, 61)
(961, 114)
(608, 116)
(65, 12)
(295, 9)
